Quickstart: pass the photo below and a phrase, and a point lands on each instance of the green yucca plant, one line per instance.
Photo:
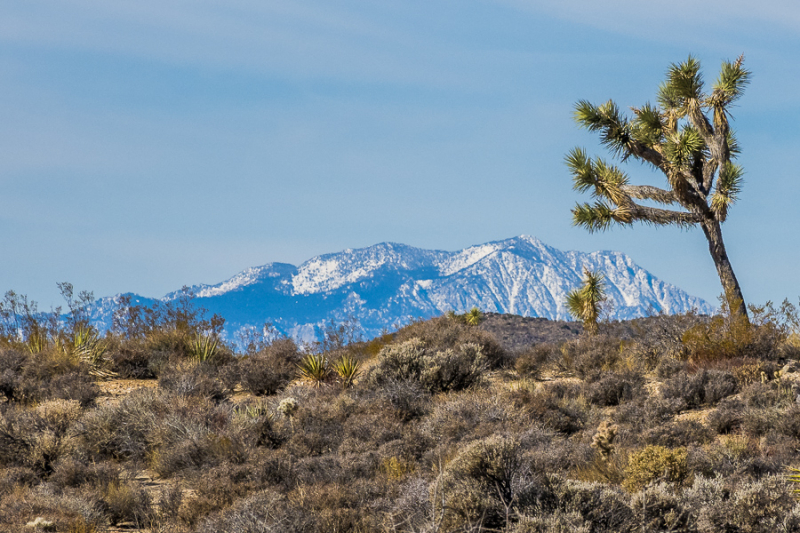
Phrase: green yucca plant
(348, 368)
(473, 317)
(257, 410)
(585, 303)
(87, 345)
(794, 477)
(203, 348)
(36, 342)
(314, 368)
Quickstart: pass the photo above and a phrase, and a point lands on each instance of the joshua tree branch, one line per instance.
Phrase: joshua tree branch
(663, 217)
(646, 192)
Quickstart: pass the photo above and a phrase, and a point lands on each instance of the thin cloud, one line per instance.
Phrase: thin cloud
(685, 20)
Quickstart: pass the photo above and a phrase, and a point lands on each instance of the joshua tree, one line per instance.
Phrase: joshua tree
(687, 137)
(585, 303)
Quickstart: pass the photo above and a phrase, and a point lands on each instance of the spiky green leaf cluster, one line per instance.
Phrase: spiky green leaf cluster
(682, 149)
(685, 136)
(597, 217)
(585, 302)
(347, 368)
(648, 125)
(729, 185)
(602, 179)
(730, 85)
(685, 81)
(315, 368)
(203, 348)
(606, 118)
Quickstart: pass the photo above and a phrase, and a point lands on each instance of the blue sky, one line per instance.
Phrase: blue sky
(145, 144)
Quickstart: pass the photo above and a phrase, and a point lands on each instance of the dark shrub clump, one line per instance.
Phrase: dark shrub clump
(271, 369)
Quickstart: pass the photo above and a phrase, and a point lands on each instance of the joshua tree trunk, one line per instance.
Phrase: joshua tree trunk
(733, 293)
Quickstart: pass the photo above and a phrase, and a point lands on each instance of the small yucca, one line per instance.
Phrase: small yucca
(314, 368)
(348, 368)
(203, 348)
(585, 303)
(257, 410)
(795, 478)
(36, 342)
(88, 346)
(473, 317)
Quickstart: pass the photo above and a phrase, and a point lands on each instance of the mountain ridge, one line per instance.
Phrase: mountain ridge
(390, 284)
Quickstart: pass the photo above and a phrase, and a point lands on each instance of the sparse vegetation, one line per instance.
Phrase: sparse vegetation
(667, 423)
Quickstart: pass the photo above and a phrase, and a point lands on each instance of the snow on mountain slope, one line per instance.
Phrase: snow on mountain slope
(390, 284)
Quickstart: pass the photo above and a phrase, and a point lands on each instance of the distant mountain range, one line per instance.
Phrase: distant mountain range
(390, 284)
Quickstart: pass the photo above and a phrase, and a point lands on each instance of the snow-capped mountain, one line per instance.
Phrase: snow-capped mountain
(390, 284)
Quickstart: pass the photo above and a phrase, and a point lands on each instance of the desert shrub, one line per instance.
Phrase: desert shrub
(557, 406)
(37, 437)
(531, 362)
(125, 501)
(746, 370)
(132, 360)
(411, 510)
(193, 380)
(12, 363)
(326, 507)
(439, 371)
(659, 508)
(704, 387)
(687, 387)
(442, 333)
(730, 335)
(727, 417)
(195, 435)
(603, 507)
(466, 416)
(789, 424)
(653, 463)
(646, 412)
(761, 506)
(478, 487)
(63, 510)
(265, 512)
(270, 369)
(253, 422)
(678, 433)
(77, 386)
(669, 367)
(557, 522)
(546, 452)
(770, 394)
(364, 432)
(16, 477)
(338, 507)
(218, 488)
(317, 425)
(406, 399)
(613, 388)
(718, 385)
(45, 376)
(71, 471)
(587, 356)
(758, 422)
(125, 430)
